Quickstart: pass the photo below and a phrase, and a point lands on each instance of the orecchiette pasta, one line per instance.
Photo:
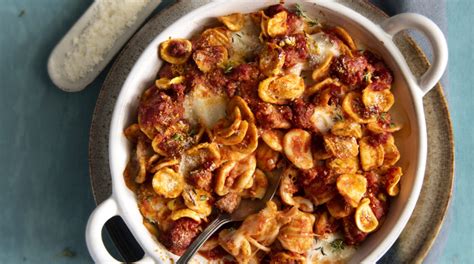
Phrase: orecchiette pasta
(262, 94)
(347, 128)
(352, 187)
(271, 60)
(338, 207)
(280, 90)
(267, 158)
(341, 147)
(274, 139)
(168, 183)
(322, 70)
(275, 25)
(382, 100)
(259, 186)
(354, 107)
(176, 51)
(297, 236)
(297, 148)
(233, 22)
(371, 156)
(365, 218)
(234, 175)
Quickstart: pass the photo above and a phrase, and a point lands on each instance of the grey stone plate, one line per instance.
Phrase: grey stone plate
(418, 236)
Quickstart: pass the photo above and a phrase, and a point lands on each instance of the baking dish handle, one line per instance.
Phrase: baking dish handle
(102, 213)
(436, 38)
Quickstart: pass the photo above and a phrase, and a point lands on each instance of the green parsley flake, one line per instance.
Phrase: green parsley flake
(383, 117)
(228, 68)
(177, 137)
(322, 250)
(338, 117)
(368, 77)
(299, 12)
(337, 245)
(203, 197)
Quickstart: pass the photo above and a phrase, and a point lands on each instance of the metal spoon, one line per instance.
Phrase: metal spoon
(246, 208)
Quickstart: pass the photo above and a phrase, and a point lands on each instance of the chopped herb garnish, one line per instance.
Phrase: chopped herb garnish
(322, 250)
(392, 125)
(177, 137)
(367, 77)
(203, 197)
(383, 117)
(313, 23)
(338, 117)
(228, 67)
(337, 245)
(299, 12)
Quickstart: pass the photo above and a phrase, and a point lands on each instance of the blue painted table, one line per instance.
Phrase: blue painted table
(45, 191)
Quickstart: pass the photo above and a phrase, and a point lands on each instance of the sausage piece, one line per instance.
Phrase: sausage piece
(181, 234)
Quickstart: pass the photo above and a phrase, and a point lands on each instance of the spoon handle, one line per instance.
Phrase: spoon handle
(197, 243)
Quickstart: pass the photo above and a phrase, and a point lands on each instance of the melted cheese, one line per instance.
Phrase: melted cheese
(315, 254)
(325, 47)
(297, 69)
(323, 118)
(204, 107)
(245, 43)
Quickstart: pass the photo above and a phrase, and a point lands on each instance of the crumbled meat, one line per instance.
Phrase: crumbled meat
(201, 179)
(364, 112)
(294, 53)
(379, 207)
(351, 70)
(274, 9)
(166, 71)
(374, 183)
(307, 177)
(294, 23)
(217, 80)
(379, 139)
(245, 72)
(243, 81)
(302, 113)
(176, 91)
(193, 75)
(352, 234)
(228, 203)
(382, 76)
(160, 111)
(271, 116)
(176, 49)
(181, 234)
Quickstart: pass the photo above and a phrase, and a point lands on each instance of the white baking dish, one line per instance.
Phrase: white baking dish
(408, 109)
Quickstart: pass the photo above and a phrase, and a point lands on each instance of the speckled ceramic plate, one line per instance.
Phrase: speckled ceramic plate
(419, 234)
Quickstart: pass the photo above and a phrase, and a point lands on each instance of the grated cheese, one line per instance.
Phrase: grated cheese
(109, 21)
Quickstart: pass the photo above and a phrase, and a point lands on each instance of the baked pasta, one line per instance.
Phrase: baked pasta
(259, 93)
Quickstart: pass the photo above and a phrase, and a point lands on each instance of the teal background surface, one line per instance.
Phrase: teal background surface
(45, 189)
